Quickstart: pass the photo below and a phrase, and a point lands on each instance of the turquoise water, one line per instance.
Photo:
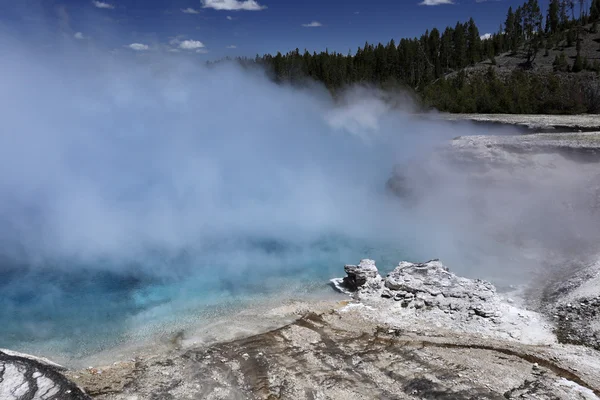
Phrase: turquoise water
(80, 310)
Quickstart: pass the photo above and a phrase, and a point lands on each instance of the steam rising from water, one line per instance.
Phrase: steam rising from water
(115, 158)
(128, 183)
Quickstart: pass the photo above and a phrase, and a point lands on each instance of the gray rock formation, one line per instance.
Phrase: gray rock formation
(23, 377)
(423, 286)
(361, 274)
(432, 283)
(362, 279)
(572, 299)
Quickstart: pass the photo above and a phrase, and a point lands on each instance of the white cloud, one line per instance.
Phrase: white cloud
(229, 17)
(79, 36)
(101, 4)
(138, 46)
(189, 10)
(435, 2)
(486, 36)
(202, 51)
(233, 46)
(191, 45)
(314, 24)
(233, 5)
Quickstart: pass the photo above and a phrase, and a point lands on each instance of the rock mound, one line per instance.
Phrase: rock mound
(428, 296)
(420, 285)
(24, 377)
(361, 274)
(431, 284)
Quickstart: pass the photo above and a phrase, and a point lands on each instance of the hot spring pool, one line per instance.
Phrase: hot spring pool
(72, 311)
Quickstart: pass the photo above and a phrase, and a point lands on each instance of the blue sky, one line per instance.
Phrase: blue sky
(211, 29)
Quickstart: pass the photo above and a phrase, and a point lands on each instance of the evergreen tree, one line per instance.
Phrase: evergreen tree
(499, 42)
(509, 29)
(564, 17)
(595, 10)
(553, 19)
(570, 37)
(422, 62)
(571, 5)
(460, 46)
(560, 62)
(532, 25)
(578, 65)
(473, 43)
(434, 46)
(392, 60)
(518, 28)
(446, 49)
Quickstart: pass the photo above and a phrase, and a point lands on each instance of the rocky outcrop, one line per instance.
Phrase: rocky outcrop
(431, 284)
(572, 299)
(422, 285)
(362, 275)
(24, 377)
(428, 297)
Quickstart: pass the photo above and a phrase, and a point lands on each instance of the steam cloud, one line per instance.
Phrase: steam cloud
(151, 167)
(115, 160)
(115, 157)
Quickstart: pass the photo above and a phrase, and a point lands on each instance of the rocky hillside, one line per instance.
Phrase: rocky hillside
(507, 62)
(557, 82)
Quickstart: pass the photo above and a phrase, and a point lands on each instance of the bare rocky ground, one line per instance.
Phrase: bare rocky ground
(534, 123)
(573, 300)
(507, 63)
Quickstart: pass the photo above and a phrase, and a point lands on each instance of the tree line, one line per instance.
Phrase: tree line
(422, 63)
